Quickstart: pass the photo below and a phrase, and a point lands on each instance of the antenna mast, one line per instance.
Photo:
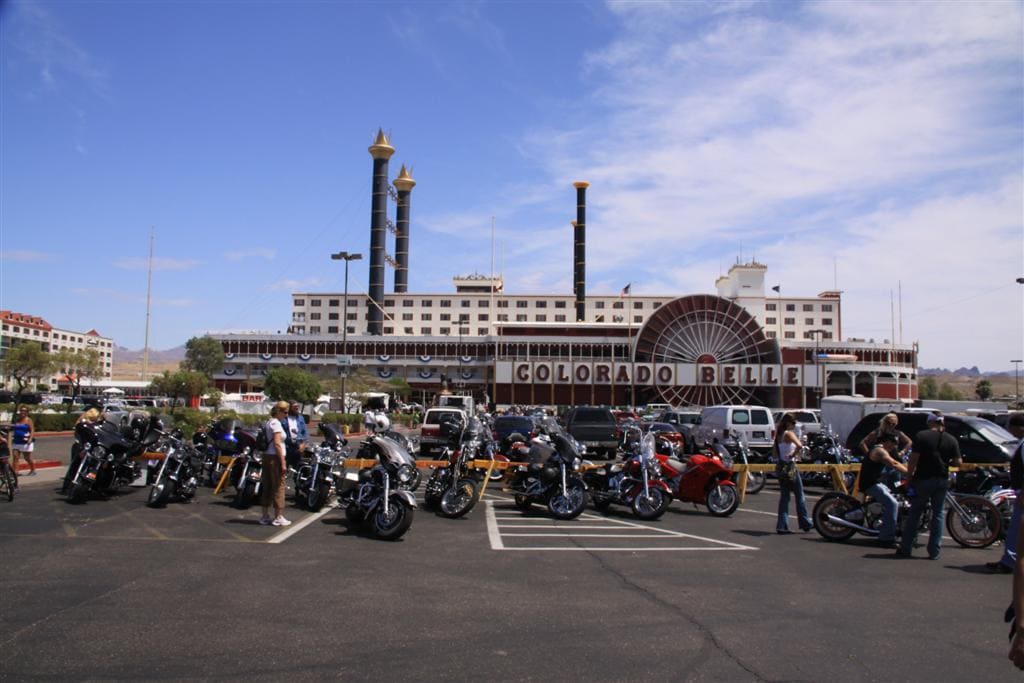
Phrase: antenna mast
(149, 292)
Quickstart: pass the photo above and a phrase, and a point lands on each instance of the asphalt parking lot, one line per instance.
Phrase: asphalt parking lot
(113, 589)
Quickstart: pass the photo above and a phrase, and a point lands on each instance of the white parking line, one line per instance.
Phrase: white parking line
(299, 526)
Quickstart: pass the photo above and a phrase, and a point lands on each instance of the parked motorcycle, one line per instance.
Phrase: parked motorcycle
(239, 442)
(379, 496)
(741, 452)
(453, 489)
(705, 479)
(824, 448)
(972, 521)
(321, 469)
(102, 456)
(636, 482)
(179, 472)
(552, 476)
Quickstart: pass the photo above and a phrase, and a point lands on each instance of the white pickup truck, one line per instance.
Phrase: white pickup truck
(431, 441)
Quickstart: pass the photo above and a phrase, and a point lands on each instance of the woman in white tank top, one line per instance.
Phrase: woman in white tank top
(787, 449)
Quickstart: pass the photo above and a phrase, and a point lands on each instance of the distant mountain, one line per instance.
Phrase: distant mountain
(123, 355)
(962, 372)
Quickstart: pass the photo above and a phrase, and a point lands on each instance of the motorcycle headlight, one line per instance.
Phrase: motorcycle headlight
(654, 467)
(405, 474)
(576, 462)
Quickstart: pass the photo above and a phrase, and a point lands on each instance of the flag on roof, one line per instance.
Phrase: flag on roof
(625, 290)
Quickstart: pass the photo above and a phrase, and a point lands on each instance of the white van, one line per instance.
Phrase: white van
(753, 423)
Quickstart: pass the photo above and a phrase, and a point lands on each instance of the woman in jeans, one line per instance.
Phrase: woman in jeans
(787, 449)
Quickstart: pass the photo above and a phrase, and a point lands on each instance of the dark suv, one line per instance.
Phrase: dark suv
(594, 427)
(979, 439)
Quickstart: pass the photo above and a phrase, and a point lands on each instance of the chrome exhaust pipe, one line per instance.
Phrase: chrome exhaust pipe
(850, 525)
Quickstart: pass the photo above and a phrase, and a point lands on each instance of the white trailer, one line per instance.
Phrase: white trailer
(842, 413)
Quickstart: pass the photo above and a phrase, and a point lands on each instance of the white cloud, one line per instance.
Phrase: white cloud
(292, 285)
(244, 254)
(142, 263)
(24, 256)
(41, 37)
(122, 296)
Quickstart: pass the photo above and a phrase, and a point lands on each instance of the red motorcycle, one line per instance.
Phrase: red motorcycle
(706, 478)
(636, 483)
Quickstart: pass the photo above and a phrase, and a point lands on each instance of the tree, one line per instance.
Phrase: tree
(26, 362)
(947, 392)
(181, 384)
(203, 354)
(927, 389)
(291, 384)
(76, 365)
(983, 389)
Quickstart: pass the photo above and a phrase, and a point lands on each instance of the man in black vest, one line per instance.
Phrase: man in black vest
(1006, 562)
(934, 452)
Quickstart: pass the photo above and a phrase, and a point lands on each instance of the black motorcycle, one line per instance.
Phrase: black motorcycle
(321, 470)
(552, 475)
(179, 472)
(742, 454)
(636, 482)
(377, 496)
(453, 489)
(823, 448)
(102, 458)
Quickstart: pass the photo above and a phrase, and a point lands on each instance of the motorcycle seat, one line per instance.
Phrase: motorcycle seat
(616, 468)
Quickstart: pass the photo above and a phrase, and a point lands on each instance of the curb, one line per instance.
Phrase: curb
(40, 465)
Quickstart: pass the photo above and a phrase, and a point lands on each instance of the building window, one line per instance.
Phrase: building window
(426, 303)
(790, 335)
(464, 331)
(445, 330)
(424, 330)
(408, 330)
(790, 307)
(598, 304)
(502, 303)
(446, 316)
(333, 329)
(522, 304)
(425, 316)
(521, 318)
(826, 335)
(618, 304)
(446, 303)
(656, 304)
(314, 316)
(482, 331)
(808, 307)
(353, 316)
(826, 308)
(315, 329)
(314, 302)
(503, 317)
(351, 329)
(353, 302)
(464, 303)
(559, 304)
(542, 304)
(789, 321)
(559, 318)
(769, 307)
(769, 321)
(298, 302)
(389, 303)
(771, 334)
(332, 316)
(541, 318)
(638, 304)
(808, 321)
(483, 303)
(333, 302)
(638, 318)
(407, 317)
(826, 321)
(483, 317)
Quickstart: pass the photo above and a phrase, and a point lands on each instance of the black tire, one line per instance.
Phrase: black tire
(78, 492)
(837, 505)
(317, 496)
(354, 515)
(978, 527)
(756, 482)
(458, 500)
(650, 508)
(522, 503)
(570, 505)
(245, 496)
(722, 500)
(10, 483)
(392, 526)
(160, 493)
(601, 505)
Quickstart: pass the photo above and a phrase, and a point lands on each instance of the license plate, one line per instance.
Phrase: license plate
(758, 435)
(592, 444)
(90, 475)
(352, 476)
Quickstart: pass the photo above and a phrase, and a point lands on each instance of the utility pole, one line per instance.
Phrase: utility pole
(1016, 378)
(346, 257)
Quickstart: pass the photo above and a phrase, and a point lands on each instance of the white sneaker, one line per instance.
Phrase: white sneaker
(280, 521)
(266, 520)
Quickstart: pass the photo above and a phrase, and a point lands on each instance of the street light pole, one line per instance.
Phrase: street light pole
(1016, 378)
(817, 366)
(346, 257)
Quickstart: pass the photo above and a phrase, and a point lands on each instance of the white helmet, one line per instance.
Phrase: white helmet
(383, 423)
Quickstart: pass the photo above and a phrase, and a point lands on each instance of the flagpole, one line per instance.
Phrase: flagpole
(629, 338)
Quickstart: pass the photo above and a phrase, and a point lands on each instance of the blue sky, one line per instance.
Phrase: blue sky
(873, 146)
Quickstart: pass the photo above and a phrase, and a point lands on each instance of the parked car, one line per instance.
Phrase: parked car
(807, 421)
(753, 424)
(505, 425)
(6, 396)
(594, 427)
(686, 422)
(431, 440)
(670, 433)
(980, 440)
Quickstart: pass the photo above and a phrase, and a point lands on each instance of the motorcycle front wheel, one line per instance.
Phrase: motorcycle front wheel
(160, 493)
(650, 507)
(979, 524)
(569, 505)
(836, 505)
(722, 500)
(756, 482)
(317, 496)
(245, 495)
(392, 525)
(459, 499)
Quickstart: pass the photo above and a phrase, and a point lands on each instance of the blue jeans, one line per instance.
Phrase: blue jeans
(928, 491)
(1009, 557)
(881, 493)
(797, 488)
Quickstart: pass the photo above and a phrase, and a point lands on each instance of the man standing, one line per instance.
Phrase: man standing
(1008, 560)
(296, 436)
(274, 467)
(933, 453)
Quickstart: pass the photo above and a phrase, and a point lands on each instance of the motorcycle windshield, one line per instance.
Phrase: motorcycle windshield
(647, 448)
(109, 436)
(392, 451)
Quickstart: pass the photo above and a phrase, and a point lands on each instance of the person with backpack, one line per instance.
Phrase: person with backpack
(275, 466)
(934, 452)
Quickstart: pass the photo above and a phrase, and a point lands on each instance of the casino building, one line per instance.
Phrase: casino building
(738, 345)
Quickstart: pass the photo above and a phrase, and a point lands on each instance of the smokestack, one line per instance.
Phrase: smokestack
(381, 150)
(404, 184)
(580, 251)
